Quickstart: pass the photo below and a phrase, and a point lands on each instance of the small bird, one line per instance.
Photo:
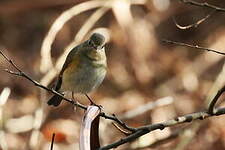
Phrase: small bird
(84, 69)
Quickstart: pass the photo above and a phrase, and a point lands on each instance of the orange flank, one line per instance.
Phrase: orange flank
(73, 65)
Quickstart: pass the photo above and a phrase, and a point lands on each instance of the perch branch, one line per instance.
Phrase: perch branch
(179, 120)
(24, 75)
(135, 132)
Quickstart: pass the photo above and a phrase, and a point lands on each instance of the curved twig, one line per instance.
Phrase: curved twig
(196, 24)
(215, 99)
(46, 61)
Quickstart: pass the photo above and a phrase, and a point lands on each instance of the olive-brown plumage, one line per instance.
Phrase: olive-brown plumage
(84, 68)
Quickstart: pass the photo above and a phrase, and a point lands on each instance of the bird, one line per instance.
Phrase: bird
(84, 69)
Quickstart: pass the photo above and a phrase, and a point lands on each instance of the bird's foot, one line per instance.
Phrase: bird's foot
(74, 101)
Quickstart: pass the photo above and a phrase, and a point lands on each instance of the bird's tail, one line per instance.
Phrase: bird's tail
(55, 100)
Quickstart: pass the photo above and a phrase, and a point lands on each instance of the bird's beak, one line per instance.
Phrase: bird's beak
(96, 47)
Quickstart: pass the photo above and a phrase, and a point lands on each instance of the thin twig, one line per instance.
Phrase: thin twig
(215, 99)
(135, 132)
(161, 141)
(23, 74)
(52, 143)
(206, 5)
(120, 129)
(147, 107)
(192, 46)
(120, 122)
(179, 120)
(196, 24)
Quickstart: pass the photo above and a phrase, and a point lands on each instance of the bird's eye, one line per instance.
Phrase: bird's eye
(90, 43)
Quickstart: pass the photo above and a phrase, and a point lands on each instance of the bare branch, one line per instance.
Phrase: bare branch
(22, 74)
(136, 132)
(147, 107)
(164, 140)
(180, 120)
(215, 99)
(192, 46)
(206, 5)
(196, 24)
(120, 122)
(121, 130)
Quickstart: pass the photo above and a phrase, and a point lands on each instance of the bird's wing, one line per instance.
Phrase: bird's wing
(68, 61)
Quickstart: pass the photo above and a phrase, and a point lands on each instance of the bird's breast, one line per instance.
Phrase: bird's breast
(84, 75)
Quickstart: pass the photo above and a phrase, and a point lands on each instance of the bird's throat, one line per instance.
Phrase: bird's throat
(96, 55)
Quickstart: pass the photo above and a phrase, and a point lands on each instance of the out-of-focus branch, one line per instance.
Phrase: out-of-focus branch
(147, 107)
(90, 23)
(60, 21)
(158, 142)
(3, 99)
(173, 135)
(192, 46)
(196, 24)
(22, 6)
(46, 60)
(189, 135)
(206, 5)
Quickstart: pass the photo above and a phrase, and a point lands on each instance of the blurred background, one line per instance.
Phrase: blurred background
(149, 80)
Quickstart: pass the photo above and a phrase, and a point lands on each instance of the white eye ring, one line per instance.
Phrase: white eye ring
(90, 43)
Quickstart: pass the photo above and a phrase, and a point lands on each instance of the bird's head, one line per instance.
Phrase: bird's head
(96, 41)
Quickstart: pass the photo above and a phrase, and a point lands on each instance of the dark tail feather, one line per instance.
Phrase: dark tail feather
(55, 100)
